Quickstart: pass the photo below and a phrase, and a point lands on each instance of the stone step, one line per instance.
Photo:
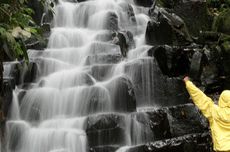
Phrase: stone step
(151, 87)
(199, 142)
(103, 59)
(104, 130)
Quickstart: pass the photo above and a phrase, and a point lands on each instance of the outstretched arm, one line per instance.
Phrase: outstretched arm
(204, 103)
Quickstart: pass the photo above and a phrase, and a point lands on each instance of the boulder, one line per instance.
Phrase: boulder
(150, 126)
(111, 21)
(172, 61)
(193, 12)
(106, 129)
(151, 87)
(185, 119)
(125, 40)
(166, 28)
(122, 94)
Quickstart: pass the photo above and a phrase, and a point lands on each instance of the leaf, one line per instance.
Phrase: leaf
(16, 32)
(26, 33)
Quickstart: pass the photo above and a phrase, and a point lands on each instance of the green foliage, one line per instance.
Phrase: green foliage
(16, 26)
(219, 5)
(222, 22)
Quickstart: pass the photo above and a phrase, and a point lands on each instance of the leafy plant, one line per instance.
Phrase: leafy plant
(16, 26)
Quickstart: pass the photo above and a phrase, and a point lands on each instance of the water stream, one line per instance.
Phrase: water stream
(52, 115)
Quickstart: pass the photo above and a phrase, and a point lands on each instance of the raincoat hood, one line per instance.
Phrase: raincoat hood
(224, 100)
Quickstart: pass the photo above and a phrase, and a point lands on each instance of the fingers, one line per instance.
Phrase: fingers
(186, 78)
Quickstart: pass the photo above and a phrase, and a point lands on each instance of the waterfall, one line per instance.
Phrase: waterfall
(82, 74)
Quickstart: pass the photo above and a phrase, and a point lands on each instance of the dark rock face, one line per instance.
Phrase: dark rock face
(194, 14)
(166, 28)
(38, 9)
(122, 94)
(22, 73)
(193, 143)
(8, 86)
(106, 130)
(155, 125)
(125, 40)
(185, 119)
(145, 3)
(172, 61)
(111, 21)
(152, 87)
(196, 65)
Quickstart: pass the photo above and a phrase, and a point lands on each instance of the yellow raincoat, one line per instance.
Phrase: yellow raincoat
(218, 115)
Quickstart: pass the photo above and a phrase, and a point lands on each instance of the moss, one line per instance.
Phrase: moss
(222, 22)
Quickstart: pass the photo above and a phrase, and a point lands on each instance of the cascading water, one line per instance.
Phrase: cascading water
(70, 85)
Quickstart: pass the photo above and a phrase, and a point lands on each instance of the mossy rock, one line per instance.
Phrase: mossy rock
(222, 22)
(226, 57)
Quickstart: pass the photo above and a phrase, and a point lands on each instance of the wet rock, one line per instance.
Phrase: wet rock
(171, 60)
(154, 33)
(104, 36)
(106, 129)
(193, 143)
(111, 21)
(226, 62)
(212, 68)
(129, 13)
(145, 3)
(194, 14)
(103, 48)
(15, 131)
(38, 8)
(155, 125)
(35, 44)
(110, 148)
(39, 44)
(103, 59)
(196, 65)
(47, 17)
(8, 86)
(222, 22)
(100, 72)
(30, 72)
(185, 119)
(124, 40)
(166, 28)
(21, 72)
(152, 87)
(122, 94)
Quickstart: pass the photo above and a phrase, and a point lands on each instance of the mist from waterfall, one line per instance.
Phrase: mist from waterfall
(52, 115)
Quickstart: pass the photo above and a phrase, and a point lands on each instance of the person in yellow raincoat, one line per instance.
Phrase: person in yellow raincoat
(218, 115)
